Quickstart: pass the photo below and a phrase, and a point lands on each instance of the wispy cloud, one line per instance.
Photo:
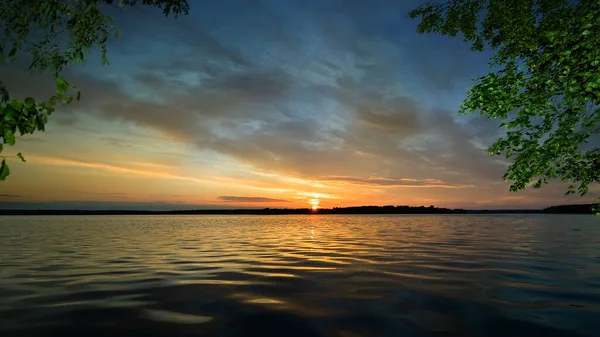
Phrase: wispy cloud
(395, 182)
(249, 199)
(110, 195)
(10, 196)
(57, 161)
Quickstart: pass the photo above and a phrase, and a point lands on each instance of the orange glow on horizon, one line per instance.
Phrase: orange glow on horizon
(48, 178)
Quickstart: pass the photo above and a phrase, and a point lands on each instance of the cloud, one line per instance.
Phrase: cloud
(327, 102)
(10, 196)
(331, 96)
(399, 116)
(123, 169)
(105, 205)
(249, 199)
(394, 182)
(303, 118)
(110, 195)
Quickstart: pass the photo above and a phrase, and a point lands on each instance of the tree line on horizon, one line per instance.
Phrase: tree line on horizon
(389, 209)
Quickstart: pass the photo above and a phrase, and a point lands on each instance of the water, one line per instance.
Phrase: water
(347, 276)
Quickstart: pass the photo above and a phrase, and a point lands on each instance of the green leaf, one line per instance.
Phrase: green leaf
(541, 73)
(9, 137)
(61, 86)
(29, 102)
(4, 171)
(20, 156)
(39, 123)
(31, 124)
(21, 128)
(16, 104)
(54, 35)
(1, 147)
(10, 119)
(13, 52)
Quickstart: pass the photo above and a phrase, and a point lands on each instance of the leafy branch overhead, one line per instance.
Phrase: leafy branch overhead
(50, 35)
(546, 88)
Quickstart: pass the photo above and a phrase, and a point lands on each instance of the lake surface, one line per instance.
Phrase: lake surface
(311, 275)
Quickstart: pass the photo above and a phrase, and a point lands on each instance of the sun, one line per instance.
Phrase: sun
(314, 203)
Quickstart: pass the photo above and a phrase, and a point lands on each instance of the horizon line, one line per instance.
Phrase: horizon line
(365, 209)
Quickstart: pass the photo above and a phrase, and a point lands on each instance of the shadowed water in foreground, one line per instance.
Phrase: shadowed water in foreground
(440, 275)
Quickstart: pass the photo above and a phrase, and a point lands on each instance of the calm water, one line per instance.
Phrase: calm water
(347, 276)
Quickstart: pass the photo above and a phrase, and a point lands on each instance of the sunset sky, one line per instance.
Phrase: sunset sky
(251, 103)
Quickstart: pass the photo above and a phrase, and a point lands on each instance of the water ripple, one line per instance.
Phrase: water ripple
(510, 275)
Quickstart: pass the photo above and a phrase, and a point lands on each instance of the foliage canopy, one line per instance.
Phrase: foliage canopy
(546, 87)
(51, 35)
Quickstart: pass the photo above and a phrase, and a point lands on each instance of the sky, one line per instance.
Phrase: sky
(272, 103)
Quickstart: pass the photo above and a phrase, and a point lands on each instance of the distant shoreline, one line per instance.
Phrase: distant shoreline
(373, 210)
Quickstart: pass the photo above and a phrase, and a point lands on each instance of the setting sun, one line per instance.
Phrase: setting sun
(314, 203)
